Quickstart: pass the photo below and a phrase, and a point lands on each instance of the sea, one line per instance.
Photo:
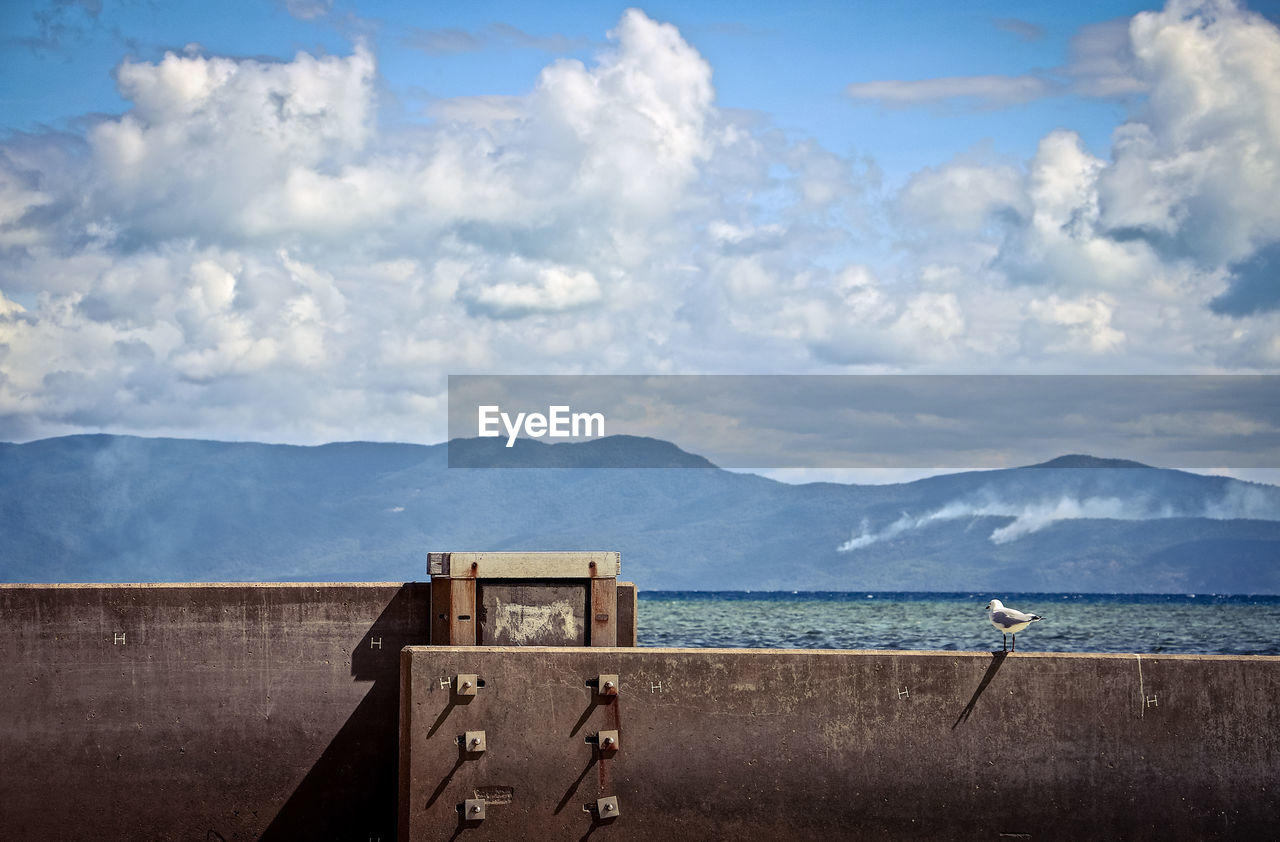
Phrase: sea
(1207, 624)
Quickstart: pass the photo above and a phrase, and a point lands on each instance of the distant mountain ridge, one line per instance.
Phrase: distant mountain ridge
(609, 452)
(119, 508)
(1081, 460)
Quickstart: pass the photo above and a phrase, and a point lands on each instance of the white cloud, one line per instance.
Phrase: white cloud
(247, 252)
(10, 308)
(1184, 207)
(237, 250)
(210, 138)
(540, 289)
(483, 110)
(20, 196)
(962, 196)
(1197, 171)
(981, 91)
(1102, 63)
(1087, 322)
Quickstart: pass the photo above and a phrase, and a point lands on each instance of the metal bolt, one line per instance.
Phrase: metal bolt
(608, 741)
(475, 808)
(608, 685)
(466, 685)
(608, 808)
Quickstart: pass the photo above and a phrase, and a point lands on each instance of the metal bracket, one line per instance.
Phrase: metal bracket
(473, 809)
(473, 742)
(466, 684)
(607, 741)
(607, 685)
(607, 808)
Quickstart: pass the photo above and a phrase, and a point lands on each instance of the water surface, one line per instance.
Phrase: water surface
(1145, 623)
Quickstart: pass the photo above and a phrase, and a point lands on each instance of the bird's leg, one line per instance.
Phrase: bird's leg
(1004, 641)
(1015, 643)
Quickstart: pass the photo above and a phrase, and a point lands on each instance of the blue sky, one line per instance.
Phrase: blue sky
(289, 221)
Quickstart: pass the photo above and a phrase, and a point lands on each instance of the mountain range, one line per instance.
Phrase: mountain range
(121, 508)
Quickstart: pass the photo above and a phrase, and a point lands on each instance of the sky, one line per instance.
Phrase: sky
(289, 221)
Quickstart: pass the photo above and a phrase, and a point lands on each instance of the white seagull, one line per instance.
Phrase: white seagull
(1009, 621)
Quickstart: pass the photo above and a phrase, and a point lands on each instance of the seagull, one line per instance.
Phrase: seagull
(1009, 621)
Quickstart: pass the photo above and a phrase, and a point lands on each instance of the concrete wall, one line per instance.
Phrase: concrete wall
(202, 712)
(207, 712)
(220, 712)
(769, 744)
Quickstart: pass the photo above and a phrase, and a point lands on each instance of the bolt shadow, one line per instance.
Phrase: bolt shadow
(596, 702)
(573, 787)
(997, 660)
(454, 701)
(464, 824)
(444, 783)
(463, 757)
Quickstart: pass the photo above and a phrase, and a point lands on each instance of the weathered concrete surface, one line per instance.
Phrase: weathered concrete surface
(770, 744)
(514, 613)
(202, 712)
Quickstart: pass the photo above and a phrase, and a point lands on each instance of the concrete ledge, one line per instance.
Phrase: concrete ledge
(762, 744)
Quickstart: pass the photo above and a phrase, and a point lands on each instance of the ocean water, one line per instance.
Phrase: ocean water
(1211, 624)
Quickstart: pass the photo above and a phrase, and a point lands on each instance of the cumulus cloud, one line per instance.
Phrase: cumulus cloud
(533, 289)
(1196, 172)
(963, 196)
(247, 251)
(1179, 211)
(1086, 322)
(210, 140)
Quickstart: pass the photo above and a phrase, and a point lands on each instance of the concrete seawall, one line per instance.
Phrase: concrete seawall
(203, 712)
(773, 744)
(219, 712)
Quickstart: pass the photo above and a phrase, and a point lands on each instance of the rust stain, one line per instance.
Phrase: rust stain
(613, 715)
